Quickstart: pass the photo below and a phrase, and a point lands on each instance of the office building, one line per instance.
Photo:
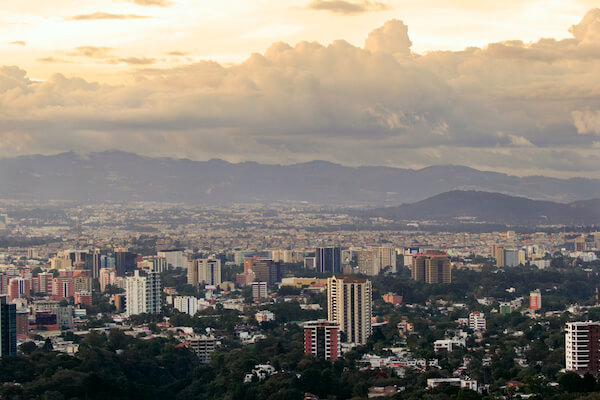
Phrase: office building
(322, 339)
(349, 303)
(582, 347)
(368, 262)
(96, 263)
(535, 300)
(477, 321)
(8, 328)
(433, 267)
(267, 271)
(387, 258)
(143, 293)
(498, 254)
(511, 258)
(125, 261)
(328, 260)
(206, 271)
(173, 257)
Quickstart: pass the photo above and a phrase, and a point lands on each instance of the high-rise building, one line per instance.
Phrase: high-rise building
(267, 271)
(387, 258)
(204, 271)
(174, 257)
(8, 328)
(498, 253)
(535, 300)
(125, 261)
(186, 304)
(438, 269)
(477, 321)
(432, 268)
(582, 347)
(259, 290)
(107, 277)
(143, 293)
(45, 282)
(349, 303)
(96, 263)
(511, 258)
(322, 339)
(328, 260)
(368, 262)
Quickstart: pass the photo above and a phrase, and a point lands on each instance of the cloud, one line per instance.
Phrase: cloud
(509, 106)
(18, 43)
(587, 122)
(178, 53)
(344, 7)
(91, 52)
(159, 3)
(103, 15)
(136, 60)
(51, 59)
(391, 38)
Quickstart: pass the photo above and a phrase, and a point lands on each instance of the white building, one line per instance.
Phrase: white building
(387, 258)
(368, 262)
(143, 293)
(174, 258)
(186, 304)
(264, 316)
(448, 344)
(477, 321)
(581, 346)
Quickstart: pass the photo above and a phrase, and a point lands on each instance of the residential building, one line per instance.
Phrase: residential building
(259, 290)
(477, 321)
(322, 339)
(431, 268)
(368, 262)
(582, 347)
(186, 304)
(535, 300)
(349, 303)
(264, 316)
(205, 271)
(143, 293)
(203, 346)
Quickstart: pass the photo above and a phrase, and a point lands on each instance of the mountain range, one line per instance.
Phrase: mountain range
(120, 176)
(459, 206)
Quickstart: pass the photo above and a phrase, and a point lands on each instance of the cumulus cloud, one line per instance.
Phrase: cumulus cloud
(18, 43)
(509, 106)
(344, 7)
(391, 38)
(104, 15)
(587, 122)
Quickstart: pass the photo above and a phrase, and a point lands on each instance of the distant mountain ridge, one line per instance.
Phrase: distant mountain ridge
(120, 176)
(475, 206)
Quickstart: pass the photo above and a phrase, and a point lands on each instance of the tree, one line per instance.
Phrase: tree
(28, 348)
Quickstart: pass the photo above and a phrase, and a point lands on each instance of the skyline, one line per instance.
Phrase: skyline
(387, 99)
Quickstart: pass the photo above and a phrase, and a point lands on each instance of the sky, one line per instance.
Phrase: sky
(510, 86)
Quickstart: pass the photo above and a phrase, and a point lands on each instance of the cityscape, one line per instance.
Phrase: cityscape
(299, 200)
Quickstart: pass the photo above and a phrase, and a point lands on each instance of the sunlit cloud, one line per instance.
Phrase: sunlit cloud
(104, 15)
(347, 7)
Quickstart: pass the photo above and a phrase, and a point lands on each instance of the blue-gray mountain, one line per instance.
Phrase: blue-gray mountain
(123, 176)
(459, 206)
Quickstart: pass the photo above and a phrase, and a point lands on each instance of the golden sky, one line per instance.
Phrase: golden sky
(511, 86)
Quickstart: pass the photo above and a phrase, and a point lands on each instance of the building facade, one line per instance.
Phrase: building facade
(582, 347)
(328, 260)
(143, 293)
(322, 339)
(349, 303)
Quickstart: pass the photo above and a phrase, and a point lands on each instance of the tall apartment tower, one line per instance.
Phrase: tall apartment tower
(328, 260)
(349, 303)
(431, 268)
(322, 339)
(204, 270)
(582, 347)
(96, 263)
(8, 328)
(143, 293)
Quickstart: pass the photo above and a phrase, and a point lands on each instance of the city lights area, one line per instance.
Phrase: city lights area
(286, 301)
